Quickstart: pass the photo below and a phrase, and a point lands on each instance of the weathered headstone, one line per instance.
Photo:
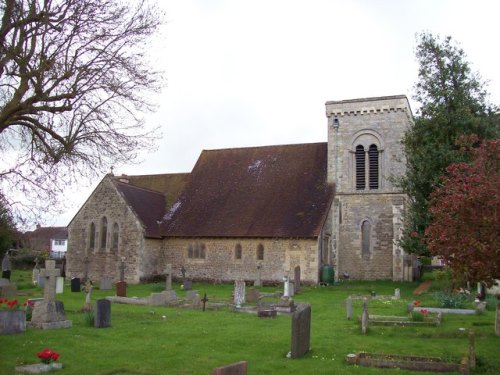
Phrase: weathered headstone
(168, 281)
(239, 368)
(188, 285)
(75, 284)
(252, 295)
(397, 293)
(102, 314)
(286, 286)
(239, 293)
(193, 298)
(106, 283)
(301, 331)
(364, 317)
(157, 299)
(170, 297)
(121, 289)
(49, 313)
(59, 285)
(348, 307)
(41, 280)
(296, 279)
(6, 266)
(258, 281)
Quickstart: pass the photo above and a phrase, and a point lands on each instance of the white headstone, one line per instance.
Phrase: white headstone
(239, 293)
(59, 285)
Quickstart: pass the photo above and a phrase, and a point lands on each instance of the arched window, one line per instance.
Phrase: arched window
(237, 251)
(116, 236)
(260, 252)
(365, 237)
(373, 166)
(104, 232)
(92, 236)
(360, 168)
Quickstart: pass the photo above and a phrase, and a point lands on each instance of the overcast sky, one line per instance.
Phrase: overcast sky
(258, 72)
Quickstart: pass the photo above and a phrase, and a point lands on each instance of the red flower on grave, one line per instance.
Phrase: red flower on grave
(48, 356)
(12, 304)
(416, 303)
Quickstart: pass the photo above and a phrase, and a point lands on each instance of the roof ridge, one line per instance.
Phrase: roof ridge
(118, 182)
(265, 146)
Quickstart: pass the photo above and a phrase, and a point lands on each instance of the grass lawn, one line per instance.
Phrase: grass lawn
(188, 341)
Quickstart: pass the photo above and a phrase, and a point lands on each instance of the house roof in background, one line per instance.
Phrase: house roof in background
(270, 191)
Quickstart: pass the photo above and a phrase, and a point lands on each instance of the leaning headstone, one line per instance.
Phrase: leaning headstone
(239, 293)
(121, 289)
(75, 284)
(6, 266)
(301, 331)
(102, 313)
(168, 281)
(239, 368)
(106, 283)
(497, 320)
(348, 307)
(364, 317)
(296, 279)
(49, 313)
(59, 285)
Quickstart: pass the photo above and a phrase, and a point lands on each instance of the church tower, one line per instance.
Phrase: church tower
(364, 154)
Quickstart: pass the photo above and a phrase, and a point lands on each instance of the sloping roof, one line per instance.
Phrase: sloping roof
(148, 205)
(39, 239)
(272, 191)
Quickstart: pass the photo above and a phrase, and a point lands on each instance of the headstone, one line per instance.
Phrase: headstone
(170, 297)
(252, 295)
(157, 299)
(122, 270)
(59, 285)
(193, 298)
(6, 266)
(291, 289)
(102, 313)
(348, 307)
(36, 272)
(364, 317)
(397, 293)
(41, 280)
(168, 281)
(497, 320)
(239, 293)
(258, 281)
(286, 286)
(49, 313)
(75, 284)
(121, 289)
(106, 283)
(301, 331)
(296, 279)
(239, 368)
(188, 285)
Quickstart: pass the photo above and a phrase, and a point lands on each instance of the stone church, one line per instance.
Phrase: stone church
(259, 209)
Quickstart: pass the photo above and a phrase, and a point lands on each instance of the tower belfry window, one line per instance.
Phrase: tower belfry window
(373, 166)
(360, 168)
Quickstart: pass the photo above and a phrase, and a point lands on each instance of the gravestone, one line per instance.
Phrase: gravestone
(121, 289)
(193, 298)
(168, 281)
(49, 313)
(258, 281)
(170, 297)
(106, 283)
(296, 279)
(102, 313)
(348, 307)
(41, 280)
(59, 285)
(239, 368)
(186, 284)
(397, 293)
(364, 317)
(36, 272)
(75, 284)
(157, 299)
(252, 295)
(301, 331)
(239, 293)
(6, 266)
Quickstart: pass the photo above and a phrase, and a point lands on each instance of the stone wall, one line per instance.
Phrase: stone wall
(220, 263)
(105, 201)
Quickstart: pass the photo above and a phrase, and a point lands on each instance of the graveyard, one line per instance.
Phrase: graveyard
(212, 325)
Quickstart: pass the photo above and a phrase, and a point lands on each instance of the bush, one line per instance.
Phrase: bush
(451, 300)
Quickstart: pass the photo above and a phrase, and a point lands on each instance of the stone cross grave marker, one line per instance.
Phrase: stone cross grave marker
(348, 307)
(88, 290)
(296, 278)
(204, 300)
(50, 273)
(168, 281)
(102, 315)
(239, 293)
(301, 331)
(286, 286)
(364, 317)
(258, 281)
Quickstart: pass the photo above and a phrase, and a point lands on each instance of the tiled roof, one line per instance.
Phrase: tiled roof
(40, 238)
(148, 205)
(272, 191)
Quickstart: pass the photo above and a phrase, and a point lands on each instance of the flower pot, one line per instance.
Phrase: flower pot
(12, 322)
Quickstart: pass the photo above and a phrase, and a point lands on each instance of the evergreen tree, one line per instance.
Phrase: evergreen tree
(453, 103)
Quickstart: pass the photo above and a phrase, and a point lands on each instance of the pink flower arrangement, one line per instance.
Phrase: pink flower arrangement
(48, 356)
(425, 312)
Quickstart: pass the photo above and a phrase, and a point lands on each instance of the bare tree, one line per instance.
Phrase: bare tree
(74, 82)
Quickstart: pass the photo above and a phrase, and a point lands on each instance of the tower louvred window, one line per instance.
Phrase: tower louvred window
(373, 166)
(360, 168)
